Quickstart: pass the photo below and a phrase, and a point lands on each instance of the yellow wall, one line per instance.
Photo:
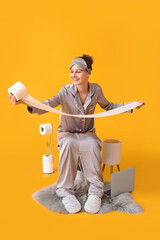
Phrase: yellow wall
(38, 40)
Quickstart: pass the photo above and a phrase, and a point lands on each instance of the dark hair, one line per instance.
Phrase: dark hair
(88, 59)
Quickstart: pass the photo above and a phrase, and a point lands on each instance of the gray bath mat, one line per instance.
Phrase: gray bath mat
(122, 203)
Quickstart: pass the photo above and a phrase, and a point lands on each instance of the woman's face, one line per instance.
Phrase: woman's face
(79, 77)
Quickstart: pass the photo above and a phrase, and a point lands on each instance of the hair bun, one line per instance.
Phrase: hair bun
(89, 60)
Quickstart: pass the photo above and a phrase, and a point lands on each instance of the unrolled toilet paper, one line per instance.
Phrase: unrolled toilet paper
(20, 92)
(45, 128)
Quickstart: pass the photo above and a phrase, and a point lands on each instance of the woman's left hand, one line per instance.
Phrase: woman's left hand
(143, 103)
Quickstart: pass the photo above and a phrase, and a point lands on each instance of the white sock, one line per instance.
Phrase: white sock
(71, 204)
(93, 204)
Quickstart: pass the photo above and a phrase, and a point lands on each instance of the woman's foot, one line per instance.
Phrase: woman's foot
(71, 204)
(93, 204)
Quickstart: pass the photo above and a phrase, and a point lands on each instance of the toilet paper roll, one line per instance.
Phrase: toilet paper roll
(20, 92)
(111, 151)
(47, 162)
(45, 128)
(48, 168)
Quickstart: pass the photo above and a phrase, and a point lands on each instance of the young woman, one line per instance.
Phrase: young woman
(78, 143)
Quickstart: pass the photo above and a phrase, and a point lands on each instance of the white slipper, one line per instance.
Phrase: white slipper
(71, 204)
(93, 204)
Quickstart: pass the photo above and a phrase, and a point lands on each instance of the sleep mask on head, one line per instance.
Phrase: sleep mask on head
(80, 63)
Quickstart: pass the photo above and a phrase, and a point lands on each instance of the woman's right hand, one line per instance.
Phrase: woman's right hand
(13, 99)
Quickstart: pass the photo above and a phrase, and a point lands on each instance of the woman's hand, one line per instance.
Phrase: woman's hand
(143, 103)
(13, 100)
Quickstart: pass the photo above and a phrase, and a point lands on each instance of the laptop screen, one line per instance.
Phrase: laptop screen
(122, 181)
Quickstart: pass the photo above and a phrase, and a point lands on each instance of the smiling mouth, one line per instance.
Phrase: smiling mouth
(75, 79)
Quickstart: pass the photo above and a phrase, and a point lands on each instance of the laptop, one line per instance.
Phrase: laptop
(122, 181)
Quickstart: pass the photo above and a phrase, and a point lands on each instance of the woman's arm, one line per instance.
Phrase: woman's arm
(52, 102)
(106, 105)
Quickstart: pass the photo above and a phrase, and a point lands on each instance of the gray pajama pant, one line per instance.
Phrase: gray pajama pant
(79, 149)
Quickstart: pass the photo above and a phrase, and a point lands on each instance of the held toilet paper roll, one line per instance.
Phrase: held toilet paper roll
(47, 162)
(45, 128)
(20, 92)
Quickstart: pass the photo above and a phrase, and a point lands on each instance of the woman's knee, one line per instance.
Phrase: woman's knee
(94, 142)
(69, 142)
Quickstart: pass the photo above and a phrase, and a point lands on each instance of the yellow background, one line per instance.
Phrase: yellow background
(38, 40)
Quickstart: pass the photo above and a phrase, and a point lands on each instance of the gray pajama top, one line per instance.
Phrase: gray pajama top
(69, 99)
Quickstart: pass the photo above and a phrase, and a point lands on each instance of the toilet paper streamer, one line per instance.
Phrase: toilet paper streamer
(20, 92)
(45, 128)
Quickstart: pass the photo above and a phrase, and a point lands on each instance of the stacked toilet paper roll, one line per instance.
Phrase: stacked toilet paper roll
(47, 162)
(47, 159)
